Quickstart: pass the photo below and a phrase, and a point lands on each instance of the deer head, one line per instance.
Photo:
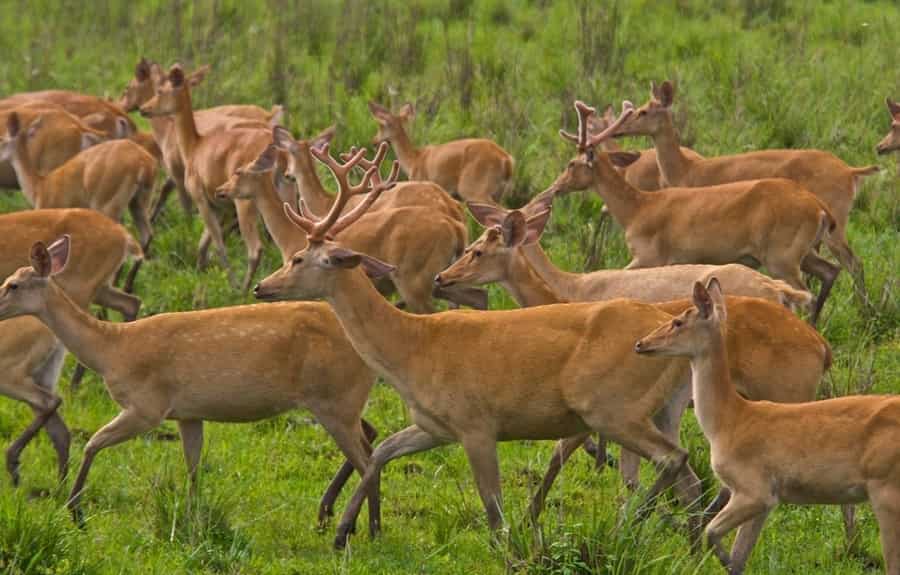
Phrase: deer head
(690, 333)
(891, 142)
(389, 124)
(25, 291)
(650, 118)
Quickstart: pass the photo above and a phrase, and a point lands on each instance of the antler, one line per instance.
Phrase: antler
(365, 164)
(627, 111)
(331, 224)
(581, 139)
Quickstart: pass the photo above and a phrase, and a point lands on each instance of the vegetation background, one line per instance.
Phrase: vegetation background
(751, 74)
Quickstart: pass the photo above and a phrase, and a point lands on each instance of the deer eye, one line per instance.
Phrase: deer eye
(477, 253)
(642, 113)
(297, 260)
(13, 287)
(677, 323)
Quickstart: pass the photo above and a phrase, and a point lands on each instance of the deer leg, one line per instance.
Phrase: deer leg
(827, 273)
(837, 245)
(886, 505)
(740, 509)
(482, 454)
(138, 209)
(326, 505)
(249, 227)
(415, 287)
(164, 193)
(848, 515)
(115, 299)
(407, 441)
(126, 425)
(746, 538)
(44, 404)
(561, 453)
(718, 503)
(191, 432)
(214, 231)
(61, 440)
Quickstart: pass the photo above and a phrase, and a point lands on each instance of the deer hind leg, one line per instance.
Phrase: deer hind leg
(164, 192)
(137, 207)
(561, 453)
(115, 299)
(746, 538)
(886, 505)
(248, 222)
(212, 231)
(44, 404)
(47, 377)
(415, 288)
(827, 273)
(326, 505)
(412, 439)
(191, 432)
(837, 245)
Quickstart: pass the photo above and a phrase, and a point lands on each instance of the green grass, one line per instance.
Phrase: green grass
(751, 74)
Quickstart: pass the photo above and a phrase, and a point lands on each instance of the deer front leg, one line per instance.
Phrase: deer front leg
(249, 227)
(326, 505)
(191, 432)
(740, 509)
(482, 454)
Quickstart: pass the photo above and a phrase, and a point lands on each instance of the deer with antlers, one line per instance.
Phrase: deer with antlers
(762, 450)
(771, 222)
(31, 357)
(474, 169)
(108, 177)
(563, 369)
(821, 173)
(201, 366)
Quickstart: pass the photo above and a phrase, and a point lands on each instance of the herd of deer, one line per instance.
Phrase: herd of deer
(723, 335)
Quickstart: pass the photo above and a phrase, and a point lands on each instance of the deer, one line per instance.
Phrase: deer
(31, 358)
(643, 174)
(63, 136)
(564, 369)
(148, 77)
(826, 176)
(209, 159)
(775, 222)
(891, 142)
(761, 450)
(506, 251)
(199, 366)
(473, 169)
(422, 239)
(108, 177)
(95, 111)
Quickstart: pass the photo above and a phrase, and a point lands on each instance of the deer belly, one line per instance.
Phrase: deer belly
(251, 403)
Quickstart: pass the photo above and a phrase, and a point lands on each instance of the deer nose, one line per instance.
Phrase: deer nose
(256, 289)
(438, 280)
(638, 346)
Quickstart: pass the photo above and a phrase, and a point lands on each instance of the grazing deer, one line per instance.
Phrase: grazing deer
(891, 142)
(474, 169)
(62, 137)
(209, 159)
(762, 452)
(422, 240)
(822, 173)
(643, 174)
(94, 111)
(31, 357)
(757, 329)
(234, 364)
(562, 370)
(148, 77)
(108, 177)
(774, 222)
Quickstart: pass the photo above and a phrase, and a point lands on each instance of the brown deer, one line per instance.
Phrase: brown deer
(774, 222)
(209, 159)
(31, 357)
(108, 177)
(474, 169)
(822, 173)
(891, 142)
(96, 112)
(421, 239)
(761, 451)
(563, 369)
(200, 366)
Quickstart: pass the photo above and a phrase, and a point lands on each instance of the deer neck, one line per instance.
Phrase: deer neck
(525, 284)
(379, 332)
(407, 153)
(29, 179)
(560, 282)
(289, 238)
(185, 126)
(622, 199)
(673, 164)
(314, 195)
(715, 398)
(161, 127)
(92, 341)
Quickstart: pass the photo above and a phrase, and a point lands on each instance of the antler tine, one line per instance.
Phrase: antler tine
(345, 190)
(581, 138)
(366, 164)
(302, 222)
(377, 189)
(627, 111)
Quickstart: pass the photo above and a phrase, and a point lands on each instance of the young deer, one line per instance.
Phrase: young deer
(474, 169)
(891, 142)
(422, 240)
(235, 364)
(767, 338)
(31, 357)
(822, 173)
(148, 77)
(761, 451)
(773, 222)
(108, 177)
(643, 174)
(209, 159)
(62, 137)
(563, 369)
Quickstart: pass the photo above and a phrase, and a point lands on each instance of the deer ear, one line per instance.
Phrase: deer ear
(123, 128)
(714, 288)
(40, 259)
(323, 138)
(514, 228)
(486, 214)
(535, 227)
(89, 139)
(408, 111)
(197, 76)
(378, 110)
(34, 127)
(13, 125)
(376, 268)
(702, 300)
(623, 159)
(666, 93)
(283, 139)
(59, 254)
(893, 107)
(176, 76)
(142, 70)
(342, 258)
(266, 160)
(539, 203)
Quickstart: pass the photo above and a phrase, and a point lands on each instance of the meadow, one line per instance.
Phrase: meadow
(751, 74)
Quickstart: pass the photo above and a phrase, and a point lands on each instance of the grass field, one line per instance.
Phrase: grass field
(751, 74)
